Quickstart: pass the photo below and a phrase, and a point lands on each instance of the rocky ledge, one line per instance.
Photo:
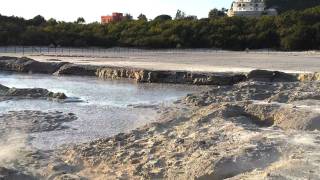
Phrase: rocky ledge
(28, 93)
(26, 65)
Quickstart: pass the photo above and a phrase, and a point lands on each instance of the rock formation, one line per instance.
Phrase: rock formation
(9, 93)
(27, 65)
(227, 132)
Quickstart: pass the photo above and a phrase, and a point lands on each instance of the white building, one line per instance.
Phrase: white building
(250, 8)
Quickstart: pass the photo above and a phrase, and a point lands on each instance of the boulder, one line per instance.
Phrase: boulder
(29, 93)
(3, 89)
(271, 76)
(10, 174)
(27, 65)
(74, 69)
(57, 95)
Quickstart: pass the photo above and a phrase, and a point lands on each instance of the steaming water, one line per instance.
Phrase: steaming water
(106, 107)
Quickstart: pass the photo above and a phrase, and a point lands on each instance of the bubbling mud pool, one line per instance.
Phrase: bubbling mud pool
(103, 107)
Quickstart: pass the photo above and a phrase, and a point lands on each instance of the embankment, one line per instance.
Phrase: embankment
(27, 65)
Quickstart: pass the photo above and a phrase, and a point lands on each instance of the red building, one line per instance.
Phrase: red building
(116, 17)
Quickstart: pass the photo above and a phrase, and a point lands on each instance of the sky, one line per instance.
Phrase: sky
(91, 10)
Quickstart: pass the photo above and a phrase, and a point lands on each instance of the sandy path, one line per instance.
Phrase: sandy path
(210, 61)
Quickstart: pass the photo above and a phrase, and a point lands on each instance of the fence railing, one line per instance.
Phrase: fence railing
(117, 51)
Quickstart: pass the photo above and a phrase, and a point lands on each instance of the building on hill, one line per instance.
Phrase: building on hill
(115, 17)
(249, 8)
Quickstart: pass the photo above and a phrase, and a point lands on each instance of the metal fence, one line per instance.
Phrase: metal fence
(119, 51)
(92, 51)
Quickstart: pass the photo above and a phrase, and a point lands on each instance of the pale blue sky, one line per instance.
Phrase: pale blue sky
(91, 10)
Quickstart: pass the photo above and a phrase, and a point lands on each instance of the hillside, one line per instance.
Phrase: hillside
(285, 5)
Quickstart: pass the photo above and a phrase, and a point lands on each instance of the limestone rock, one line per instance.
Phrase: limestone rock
(304, 77)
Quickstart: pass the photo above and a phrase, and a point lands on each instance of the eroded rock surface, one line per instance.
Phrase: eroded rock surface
(34, 121)
(10, 174)
(77, 70)
(26, 65)
(32, 93)
(149, 76)
(236, 132)
(271, 76)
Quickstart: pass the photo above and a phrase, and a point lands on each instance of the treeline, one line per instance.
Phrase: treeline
(292, 30)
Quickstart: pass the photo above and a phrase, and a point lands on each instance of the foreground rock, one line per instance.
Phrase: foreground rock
(10, 174)
(251, 130)
(28, 93)
(245, 131)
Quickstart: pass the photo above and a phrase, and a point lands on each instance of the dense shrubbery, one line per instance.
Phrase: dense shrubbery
(285, 5)
(292, 30)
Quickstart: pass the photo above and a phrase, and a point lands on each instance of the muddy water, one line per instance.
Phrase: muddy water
(103, 107)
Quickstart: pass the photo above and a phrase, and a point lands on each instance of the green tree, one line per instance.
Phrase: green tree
(163, 17)
(52, 22)
(180, 15)
(37, 20)
(285, 5)
(142, 17)
(214, 13)
(80, 20)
